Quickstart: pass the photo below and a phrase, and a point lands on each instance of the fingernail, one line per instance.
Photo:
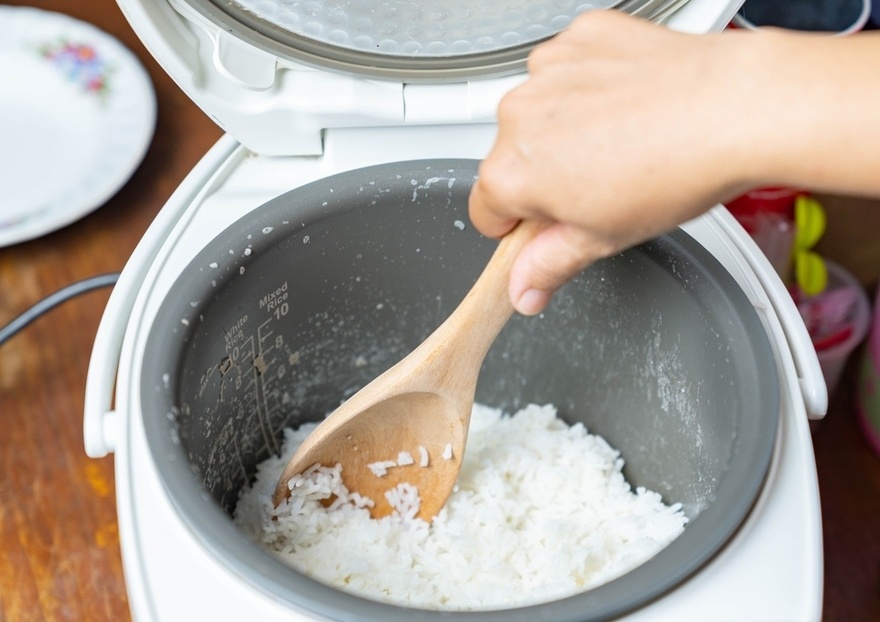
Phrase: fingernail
(531, 302)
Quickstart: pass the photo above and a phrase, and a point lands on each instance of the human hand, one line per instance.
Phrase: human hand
(622, 131)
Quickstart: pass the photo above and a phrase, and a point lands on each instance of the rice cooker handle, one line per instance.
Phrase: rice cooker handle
(810, 377)
(100, 421)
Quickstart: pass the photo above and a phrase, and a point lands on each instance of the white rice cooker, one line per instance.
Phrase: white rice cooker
(329, 224)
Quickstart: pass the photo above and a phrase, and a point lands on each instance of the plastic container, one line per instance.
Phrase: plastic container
(768, 215)
(770, 200)
(868, 393)
(834, 354)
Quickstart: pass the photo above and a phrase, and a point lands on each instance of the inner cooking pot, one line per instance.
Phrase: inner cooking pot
(307, 298)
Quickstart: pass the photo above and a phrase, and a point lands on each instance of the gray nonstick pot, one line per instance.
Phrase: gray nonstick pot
(308, 297)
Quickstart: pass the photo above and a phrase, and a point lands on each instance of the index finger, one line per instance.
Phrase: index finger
(484, 214)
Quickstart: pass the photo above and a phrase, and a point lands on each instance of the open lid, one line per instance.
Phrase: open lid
(275, 73)
(410, 40)
(403, 39)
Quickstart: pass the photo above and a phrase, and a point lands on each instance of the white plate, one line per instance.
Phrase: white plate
(77, 113)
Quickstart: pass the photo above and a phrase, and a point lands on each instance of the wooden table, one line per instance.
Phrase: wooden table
(59, 545)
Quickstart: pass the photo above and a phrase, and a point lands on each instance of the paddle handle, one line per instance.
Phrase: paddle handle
(448, 361)
(472, 328)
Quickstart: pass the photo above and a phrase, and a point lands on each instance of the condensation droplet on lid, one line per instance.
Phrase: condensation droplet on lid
(247, 252)
(436, 47)
(560, 22)
(461, 46)
(363, 42)
(511, 38)
(337, 36)
(241, 270)
(459, 224)
(485, 43)
(213, 265)
(267, 230)
(306, 239)
(411, 47)
(537, 31)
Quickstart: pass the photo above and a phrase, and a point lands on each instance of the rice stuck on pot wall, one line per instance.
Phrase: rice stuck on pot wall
(541, 511)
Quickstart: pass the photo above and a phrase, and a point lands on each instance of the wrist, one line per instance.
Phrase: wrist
(806, 112)
(764, 109)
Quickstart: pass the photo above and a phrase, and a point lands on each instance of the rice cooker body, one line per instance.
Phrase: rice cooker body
(260, 331)
(310, 296)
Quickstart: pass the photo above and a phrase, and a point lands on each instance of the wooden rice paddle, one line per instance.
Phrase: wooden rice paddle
(422, 405)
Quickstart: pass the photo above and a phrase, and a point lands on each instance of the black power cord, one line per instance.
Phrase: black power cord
(53, 300)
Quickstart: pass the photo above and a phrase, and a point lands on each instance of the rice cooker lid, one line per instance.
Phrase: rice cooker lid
(278, 74)
(406, 39)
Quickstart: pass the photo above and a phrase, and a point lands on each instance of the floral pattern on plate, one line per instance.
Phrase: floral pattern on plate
(81, 64)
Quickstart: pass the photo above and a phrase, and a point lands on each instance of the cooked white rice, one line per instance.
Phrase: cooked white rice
(541, 511)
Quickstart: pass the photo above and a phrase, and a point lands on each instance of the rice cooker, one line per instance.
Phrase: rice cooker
(326, 234)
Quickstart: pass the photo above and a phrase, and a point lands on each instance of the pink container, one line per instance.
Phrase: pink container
(837, 320)
(868, 392)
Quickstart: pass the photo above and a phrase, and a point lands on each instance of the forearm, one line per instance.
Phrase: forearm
(625, 129)
(812, 117)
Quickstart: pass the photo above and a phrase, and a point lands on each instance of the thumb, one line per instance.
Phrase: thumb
(546, 263)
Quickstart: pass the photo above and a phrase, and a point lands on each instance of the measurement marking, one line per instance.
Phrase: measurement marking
(244, 474)
(261, 363)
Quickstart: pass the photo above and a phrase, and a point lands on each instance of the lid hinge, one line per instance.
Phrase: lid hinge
(459, 102)
(243, 64)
